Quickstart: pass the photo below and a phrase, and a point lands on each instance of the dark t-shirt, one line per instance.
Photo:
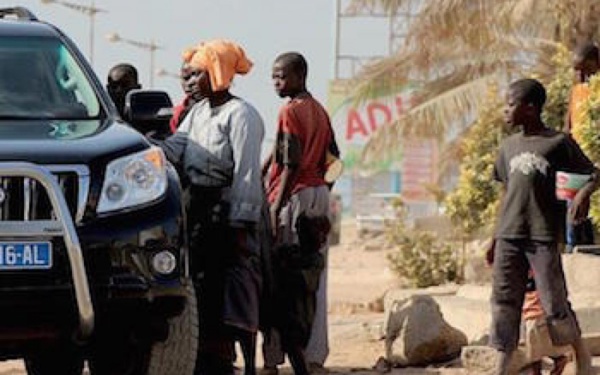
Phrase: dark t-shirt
(527, 166)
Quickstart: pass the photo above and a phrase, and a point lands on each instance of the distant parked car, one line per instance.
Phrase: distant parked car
(381, 211)
(335, 217)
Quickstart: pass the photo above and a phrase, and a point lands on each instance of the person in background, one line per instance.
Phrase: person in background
(586, 63)
(296, 185)
(190, 98)
(218, 146)
(122, 78)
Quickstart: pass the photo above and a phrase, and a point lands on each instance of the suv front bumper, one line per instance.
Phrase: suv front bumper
(103, 265)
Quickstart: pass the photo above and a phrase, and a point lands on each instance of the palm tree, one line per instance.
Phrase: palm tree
(455, 48)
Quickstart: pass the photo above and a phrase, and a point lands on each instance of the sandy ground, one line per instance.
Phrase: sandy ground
(358, 277)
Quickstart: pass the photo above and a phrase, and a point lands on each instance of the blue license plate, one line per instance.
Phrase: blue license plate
(25, 255)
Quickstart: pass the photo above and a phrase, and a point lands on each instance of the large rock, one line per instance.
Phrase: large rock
(397, 294)
(416, 333)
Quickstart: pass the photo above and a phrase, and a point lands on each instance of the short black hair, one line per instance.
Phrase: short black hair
(296, 61)
(529, 91)
(587, 50)
(126, 68)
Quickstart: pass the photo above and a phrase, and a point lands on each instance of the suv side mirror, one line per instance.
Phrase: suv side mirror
(149, 111)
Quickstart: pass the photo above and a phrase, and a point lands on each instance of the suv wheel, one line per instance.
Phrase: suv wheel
(122, 352)
(177, 354)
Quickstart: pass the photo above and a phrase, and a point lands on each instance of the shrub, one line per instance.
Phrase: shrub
(472, 205)
(421, 258)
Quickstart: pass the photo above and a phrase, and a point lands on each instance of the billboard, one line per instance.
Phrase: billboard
(355, 122)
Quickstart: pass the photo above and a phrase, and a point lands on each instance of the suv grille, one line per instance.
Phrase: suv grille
(24, 199)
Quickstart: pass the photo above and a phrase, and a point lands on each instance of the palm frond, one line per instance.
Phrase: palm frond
(407, 67)
(390, 7)
(453, 48)
(431, 119)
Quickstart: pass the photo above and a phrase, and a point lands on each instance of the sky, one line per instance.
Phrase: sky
(265, 28)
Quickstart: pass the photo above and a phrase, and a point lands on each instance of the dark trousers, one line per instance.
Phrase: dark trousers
(210, 248)
(512, 261)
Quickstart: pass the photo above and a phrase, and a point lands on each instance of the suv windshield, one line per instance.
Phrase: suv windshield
(40, 79)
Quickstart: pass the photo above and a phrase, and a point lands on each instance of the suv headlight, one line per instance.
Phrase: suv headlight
(133, 180)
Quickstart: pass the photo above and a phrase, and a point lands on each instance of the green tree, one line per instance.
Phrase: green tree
(472, 204)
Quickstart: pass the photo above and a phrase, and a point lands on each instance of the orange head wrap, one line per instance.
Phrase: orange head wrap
(188, 54)
(222, 59)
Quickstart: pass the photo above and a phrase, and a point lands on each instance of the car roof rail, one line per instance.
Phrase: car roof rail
(22, 13)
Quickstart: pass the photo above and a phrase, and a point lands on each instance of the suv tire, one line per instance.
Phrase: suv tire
(177, 354)
(122, 352)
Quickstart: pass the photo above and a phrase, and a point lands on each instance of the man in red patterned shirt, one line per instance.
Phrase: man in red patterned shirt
(296, 177)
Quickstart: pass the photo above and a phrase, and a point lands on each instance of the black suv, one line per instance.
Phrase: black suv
(93, 259)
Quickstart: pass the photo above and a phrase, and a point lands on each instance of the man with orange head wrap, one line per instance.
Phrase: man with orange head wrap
(218, 147)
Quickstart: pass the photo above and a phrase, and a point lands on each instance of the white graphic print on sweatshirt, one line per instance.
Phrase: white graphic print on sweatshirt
(528, 162)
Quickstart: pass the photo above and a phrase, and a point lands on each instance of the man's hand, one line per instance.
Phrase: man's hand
(580, 206)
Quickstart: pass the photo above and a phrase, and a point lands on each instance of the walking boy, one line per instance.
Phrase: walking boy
(296, 182)
(531, 222)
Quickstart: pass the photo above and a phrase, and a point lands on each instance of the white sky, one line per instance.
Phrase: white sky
(264, 28)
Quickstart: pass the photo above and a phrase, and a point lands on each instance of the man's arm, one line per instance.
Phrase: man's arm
(266, 165)
(289, 144)
(579, 207)
(285, 187)
(287, 176)
(489, 254)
